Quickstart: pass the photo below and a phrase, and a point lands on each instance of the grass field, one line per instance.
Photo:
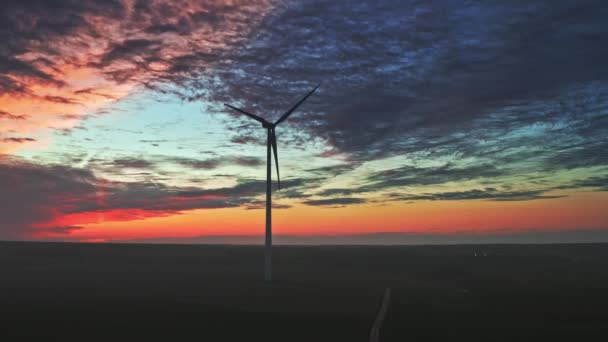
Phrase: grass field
(197, 292)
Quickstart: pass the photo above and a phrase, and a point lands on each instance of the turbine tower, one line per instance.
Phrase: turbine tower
(271, 142)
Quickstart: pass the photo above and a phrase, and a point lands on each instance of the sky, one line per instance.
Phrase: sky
(436, 121)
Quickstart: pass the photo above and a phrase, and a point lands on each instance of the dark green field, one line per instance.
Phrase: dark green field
(112, 292)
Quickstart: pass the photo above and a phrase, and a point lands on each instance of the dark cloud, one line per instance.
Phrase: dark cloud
(71, 116)
(68, 131)
(339, 192)
(214, 163)
(95, 92)
(61, 230)
(178, 42)
(130, 49)
(133, 163)
(335, 202)
(60, 99)
(248, 161)
(298, 192)
(32, 25)
(598, 183)
(247, 140)
(157, 44)
(587, 154)
(118, 165)
(10, 116)
(15, 68)
(416, 176)
(262, 205)
(206, 164)
(18, 139)
(484, 194)
(34, 193)
(438, 77)
(334, 170)
(411, 175)
(154, 141)
(41, 194)
(9, 85)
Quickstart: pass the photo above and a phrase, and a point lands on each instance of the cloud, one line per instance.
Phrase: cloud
(335, 202)
(208, 164)
(15, 68)
(435, 77)
(132, 163)
(247, 140)
(61, 230)
(34, 194)
(60, 99)
(416, 176)
(44, 23)
(262, 205)
(334, 170)
(18, 140)
(160, 163)
(582, 155)
(129, 50)
(55, 199)
(71, 57)
(491, 92)
(411, 175)
(9, 116)
(248, 161)
(441, 78)
(599, 183)
(485, 194)
(94, 92)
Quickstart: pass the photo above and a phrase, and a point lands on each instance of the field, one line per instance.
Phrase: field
(63, 291)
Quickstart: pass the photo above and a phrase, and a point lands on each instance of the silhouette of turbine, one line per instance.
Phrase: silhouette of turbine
(271, 141)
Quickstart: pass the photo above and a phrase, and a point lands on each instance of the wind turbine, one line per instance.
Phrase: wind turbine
(271, 142)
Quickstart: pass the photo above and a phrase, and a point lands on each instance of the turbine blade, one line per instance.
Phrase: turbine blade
(253, 116)
(276, 156)
(288, 113)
